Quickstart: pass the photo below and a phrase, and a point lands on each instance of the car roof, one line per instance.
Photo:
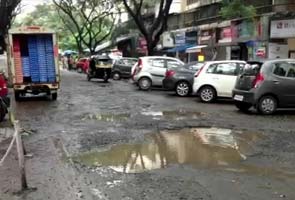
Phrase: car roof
(222, 61)
(128, 58)
(162, 57)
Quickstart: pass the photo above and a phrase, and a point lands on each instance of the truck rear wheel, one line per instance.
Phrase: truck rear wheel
(54, 96)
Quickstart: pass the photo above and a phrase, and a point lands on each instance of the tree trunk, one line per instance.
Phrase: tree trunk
(150, 47)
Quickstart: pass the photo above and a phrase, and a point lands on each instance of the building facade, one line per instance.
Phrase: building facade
(273, 29)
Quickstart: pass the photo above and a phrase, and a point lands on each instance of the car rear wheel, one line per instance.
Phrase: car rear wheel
(144, 84)
(182, 89)
(207, 94)
(242, 106)
(267, 105)
(116, 76)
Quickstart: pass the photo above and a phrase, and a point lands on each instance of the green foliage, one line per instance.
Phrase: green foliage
(237, 9)
(47, 16)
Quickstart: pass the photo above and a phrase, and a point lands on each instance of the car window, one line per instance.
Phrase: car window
(281, 69)
(231, 69)
(291, 72)
(211, 69)
(157, 63)
(173, 64)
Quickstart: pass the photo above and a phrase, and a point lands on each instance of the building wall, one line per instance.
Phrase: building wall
(191, 4)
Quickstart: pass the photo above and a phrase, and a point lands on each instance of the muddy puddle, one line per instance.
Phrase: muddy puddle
(107, 117)
(205, 148)
(173, 115)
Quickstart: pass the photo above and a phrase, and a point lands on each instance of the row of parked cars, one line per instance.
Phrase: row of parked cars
(265, 85)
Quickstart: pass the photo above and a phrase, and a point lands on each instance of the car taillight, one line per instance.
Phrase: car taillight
(258, 80)
(137, 68)
(169, 73)
(199, 72)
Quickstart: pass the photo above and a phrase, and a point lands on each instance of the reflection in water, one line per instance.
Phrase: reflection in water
(107, 117)
(173, 115)
(199, 147)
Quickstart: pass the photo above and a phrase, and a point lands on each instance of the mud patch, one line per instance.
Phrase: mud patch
(107, 117)
(173, 115)
(201, 148)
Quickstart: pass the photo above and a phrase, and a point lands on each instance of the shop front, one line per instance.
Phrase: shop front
(251, 38)
(207, 38)
(282, 38)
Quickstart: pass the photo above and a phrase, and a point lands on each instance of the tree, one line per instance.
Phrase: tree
(153, 27)
(237, 9)
(45, 15)
(7, 13)
(90, 21)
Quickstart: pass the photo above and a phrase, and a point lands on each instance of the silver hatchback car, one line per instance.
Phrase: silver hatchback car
(150, 70)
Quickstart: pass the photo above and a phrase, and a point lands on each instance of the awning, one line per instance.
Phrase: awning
(195, 49)
(124, 38)
(182, 48)
(103, 46)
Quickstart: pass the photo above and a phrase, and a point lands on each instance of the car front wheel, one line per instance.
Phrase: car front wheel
(267, 105)
(242, 106)
(116, 76)
(182, 89)
(144, 84)
(207, 94)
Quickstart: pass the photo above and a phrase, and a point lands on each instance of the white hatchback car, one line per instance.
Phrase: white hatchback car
(217, 79)
(150, 70)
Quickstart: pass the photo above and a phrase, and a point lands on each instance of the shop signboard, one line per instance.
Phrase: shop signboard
(282, 28)
(167, 40)
(142, 45)
(246, 29)
(180, 38)
(225, 35)
(191, 37)
(207, 37)
(278, 51)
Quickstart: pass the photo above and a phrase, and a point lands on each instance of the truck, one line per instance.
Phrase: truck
(33, 65)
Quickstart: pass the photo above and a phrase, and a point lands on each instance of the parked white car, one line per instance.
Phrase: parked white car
(150, 70)
(216, 79)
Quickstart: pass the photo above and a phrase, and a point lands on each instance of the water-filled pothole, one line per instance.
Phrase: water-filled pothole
(174, 115)
(107, 117)
(208, 148)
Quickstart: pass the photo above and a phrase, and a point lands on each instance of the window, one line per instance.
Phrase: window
(190, 2)
(281, 69)
(173, 64)
(127, 62)
(211, 69)
(291, 72)
(231, 69)
(158, 63)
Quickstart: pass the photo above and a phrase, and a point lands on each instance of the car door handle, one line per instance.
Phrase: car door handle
(276, 82)
(215, 78)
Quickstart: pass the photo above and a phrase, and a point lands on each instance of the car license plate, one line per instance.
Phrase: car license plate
(238, 97)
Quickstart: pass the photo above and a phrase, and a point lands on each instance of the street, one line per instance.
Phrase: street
(112, 141)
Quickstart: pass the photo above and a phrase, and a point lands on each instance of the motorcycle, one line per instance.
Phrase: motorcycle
(4, 98)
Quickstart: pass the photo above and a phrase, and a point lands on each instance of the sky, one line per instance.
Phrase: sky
(29, 5)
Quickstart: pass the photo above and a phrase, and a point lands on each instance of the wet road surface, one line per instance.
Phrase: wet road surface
(112, 141)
